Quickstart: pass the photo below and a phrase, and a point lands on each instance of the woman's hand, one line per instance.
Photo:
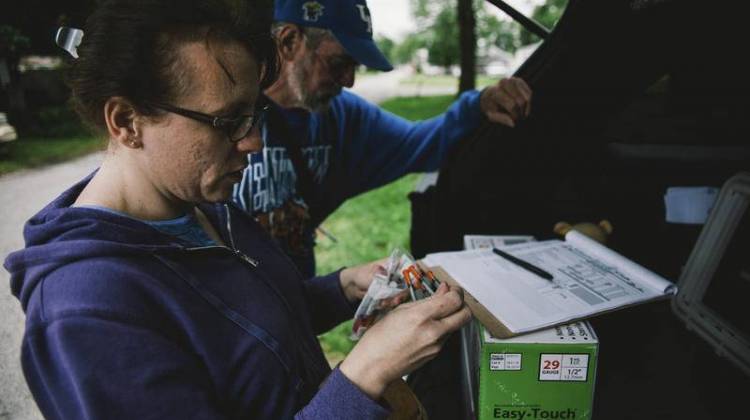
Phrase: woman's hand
(405, 339)
(356, 280)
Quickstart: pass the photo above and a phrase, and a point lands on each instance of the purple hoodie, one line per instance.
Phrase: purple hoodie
(123, 321)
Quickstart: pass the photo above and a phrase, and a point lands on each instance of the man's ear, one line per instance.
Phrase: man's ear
(122, 125)
(290, 39)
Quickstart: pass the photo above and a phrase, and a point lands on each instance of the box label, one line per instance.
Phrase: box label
(521, 413)
(544, 375)
(564, 367)
(505, 361)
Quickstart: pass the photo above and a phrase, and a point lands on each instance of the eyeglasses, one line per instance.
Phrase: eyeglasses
(236, 128)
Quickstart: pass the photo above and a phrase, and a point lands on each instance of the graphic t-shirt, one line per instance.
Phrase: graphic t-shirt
(351, 148)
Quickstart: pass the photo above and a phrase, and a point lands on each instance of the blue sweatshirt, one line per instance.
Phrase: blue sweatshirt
(124, 321)
(353, 147)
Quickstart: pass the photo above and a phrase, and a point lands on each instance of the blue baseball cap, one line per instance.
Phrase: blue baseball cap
(349, 20)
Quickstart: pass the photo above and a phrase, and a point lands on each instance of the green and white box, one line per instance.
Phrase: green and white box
(549, 374)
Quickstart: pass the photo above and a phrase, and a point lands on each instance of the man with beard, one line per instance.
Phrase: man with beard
(324, 145)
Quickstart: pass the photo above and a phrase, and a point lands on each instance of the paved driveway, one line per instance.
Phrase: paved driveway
(22, 194)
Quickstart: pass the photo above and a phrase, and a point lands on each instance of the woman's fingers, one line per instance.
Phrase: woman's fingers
(442, 305)
(457, 319)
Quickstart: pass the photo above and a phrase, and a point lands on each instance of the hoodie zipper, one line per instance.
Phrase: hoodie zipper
(229, 226)
(237, 252)
(252, 261)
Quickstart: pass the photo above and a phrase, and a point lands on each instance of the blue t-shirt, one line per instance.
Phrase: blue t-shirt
(185, 228)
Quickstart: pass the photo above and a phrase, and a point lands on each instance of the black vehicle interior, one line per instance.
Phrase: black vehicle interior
(631, 97)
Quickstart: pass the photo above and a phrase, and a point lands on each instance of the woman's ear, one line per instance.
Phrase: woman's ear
(122, 123)
(290, 39)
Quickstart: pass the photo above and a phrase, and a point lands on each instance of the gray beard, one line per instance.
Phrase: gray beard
(318, 102)
(312, 101)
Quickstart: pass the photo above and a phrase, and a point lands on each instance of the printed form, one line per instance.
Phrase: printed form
(494, 241)
(588, 279)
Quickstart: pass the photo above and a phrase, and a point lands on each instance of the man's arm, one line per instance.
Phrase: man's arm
(333, 298)
(378, 147)
(327, 301)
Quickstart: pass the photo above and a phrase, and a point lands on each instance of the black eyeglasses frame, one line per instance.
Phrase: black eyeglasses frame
(230, 125)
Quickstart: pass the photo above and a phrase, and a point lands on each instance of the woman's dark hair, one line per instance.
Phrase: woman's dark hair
(129, 49)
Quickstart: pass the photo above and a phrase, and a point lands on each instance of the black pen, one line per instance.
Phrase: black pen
(523, 264)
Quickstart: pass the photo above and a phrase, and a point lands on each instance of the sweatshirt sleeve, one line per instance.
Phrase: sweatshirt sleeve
(339, 398)
(379, 147)
(328, 305)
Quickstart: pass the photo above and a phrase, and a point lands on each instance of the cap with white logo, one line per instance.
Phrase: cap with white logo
(349, 20)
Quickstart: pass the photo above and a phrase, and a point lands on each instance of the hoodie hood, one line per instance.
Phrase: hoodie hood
(60, 234)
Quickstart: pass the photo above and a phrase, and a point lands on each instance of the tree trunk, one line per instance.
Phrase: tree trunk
(18, 112)
(468, 44)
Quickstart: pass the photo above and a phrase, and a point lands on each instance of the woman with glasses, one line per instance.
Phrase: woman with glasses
(146, 295)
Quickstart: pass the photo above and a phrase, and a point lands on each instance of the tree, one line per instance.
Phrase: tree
(492, 31)
(39, 20)
(30, 30)
(468, 45)
(438, 30)
(387, 47)
(406, 50)
(448, 26)
(442, 44)
(546, 14)
(12, 45)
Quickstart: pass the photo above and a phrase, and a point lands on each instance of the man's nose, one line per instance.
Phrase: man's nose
(346, 79)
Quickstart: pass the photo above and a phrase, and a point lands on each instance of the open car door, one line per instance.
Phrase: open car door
(631, 98)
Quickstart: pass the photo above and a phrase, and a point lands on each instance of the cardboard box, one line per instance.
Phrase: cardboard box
(549, 374)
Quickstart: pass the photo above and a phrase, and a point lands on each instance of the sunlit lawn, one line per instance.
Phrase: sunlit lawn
(445, 80)
(56, 135)
(35, 151)
(368, 227)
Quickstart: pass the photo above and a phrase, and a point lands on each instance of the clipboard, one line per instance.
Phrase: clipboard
(479, 312)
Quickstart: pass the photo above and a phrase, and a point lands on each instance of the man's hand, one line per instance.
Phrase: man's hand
(506, 102)
(356, 280)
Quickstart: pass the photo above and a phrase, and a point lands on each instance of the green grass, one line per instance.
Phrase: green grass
(56, 135)
(418, 108)
(445, 80)
(369, 226)
(36, 151)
